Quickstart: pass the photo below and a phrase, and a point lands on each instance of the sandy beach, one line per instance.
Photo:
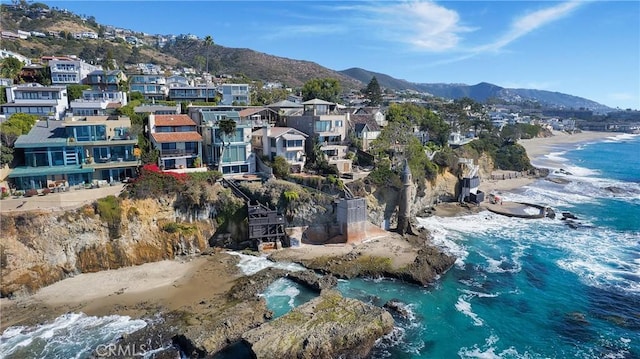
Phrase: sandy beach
(136, 291)
(539, 147)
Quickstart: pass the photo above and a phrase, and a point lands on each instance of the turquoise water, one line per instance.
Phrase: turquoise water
(534, 288)
(519, 288)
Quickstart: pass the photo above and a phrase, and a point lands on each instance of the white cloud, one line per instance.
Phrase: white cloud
(424, 25)
(529, 23)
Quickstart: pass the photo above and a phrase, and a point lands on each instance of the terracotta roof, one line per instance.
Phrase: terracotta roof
(174, 120)
(163, 137)
(114, 105)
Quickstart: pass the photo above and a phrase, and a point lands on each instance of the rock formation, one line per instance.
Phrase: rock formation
(329, 326)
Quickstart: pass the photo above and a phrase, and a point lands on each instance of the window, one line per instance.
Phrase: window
(323, 126)
(169, 146)
(234, 154)
(294, 143)
(339, 123)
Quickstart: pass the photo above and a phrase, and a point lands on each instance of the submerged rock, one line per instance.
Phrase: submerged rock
(329, 326)
(396, 306)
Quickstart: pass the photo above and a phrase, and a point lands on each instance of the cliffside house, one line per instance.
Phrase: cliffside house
(230, 154)
(365, 128)
(35, 99)
(320, 119)
(178, 141)
(286, 142)
(78, 150)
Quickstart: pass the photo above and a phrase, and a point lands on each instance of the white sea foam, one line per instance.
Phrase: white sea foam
(283, 287)
(488, 351)
(464, 307)
(253, 264)
(73, 334)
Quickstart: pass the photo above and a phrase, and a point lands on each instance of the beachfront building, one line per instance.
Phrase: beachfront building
(230, 154)
(76, 151)
(321, 120)
(65, 71)
(177, 140)
(286, 142)
(235, 94)
(35, 99)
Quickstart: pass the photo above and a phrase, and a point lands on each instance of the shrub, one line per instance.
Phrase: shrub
(110, 212)
(182, 228)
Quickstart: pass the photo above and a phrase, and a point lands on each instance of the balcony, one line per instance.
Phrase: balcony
(178, 153)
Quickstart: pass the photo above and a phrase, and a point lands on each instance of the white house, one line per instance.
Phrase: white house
(36, 99)
(286, 142)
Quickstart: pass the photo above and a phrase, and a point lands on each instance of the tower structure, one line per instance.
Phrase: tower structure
(404, 206)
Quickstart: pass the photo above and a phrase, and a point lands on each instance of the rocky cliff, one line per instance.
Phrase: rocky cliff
(41, 248)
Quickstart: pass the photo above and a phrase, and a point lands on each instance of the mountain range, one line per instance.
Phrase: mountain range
(480, 92)
(189, 52)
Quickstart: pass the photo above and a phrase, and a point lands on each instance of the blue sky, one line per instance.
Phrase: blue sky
(584, 48)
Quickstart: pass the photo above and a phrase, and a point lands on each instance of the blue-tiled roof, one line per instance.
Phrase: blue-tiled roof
(44, 134)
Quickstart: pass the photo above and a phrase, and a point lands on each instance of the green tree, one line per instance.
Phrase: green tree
(18, 124)
(74, 91)
(373, 93)
(107, 61)
(10, 67)
(426, 119)
(199, 62)
(281, 168)
(326, 89)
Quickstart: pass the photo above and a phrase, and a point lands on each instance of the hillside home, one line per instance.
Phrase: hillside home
(178, 141)
(230, 154)
(206, 93)
(35, 99)
(69, 71)
(151, 86)
(286, 142)
(106, 80)
(98, 103)
(78, 150)
(178, 81)
(235, 94)
(321, 120)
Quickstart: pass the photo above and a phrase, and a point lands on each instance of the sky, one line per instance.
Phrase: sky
(589, 49)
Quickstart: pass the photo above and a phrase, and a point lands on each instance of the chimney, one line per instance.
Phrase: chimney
(152, 123)
(266, 143)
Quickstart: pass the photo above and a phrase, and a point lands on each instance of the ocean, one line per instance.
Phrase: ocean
(535, 288)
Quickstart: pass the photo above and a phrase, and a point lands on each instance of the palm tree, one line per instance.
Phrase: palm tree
(208, 41)
(227, 128)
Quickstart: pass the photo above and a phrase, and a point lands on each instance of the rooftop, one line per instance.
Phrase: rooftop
(173, 120)
(164, 137)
